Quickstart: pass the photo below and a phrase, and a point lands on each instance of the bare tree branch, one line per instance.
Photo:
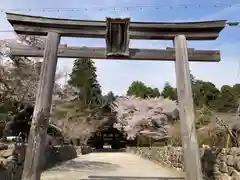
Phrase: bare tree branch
(224, 125)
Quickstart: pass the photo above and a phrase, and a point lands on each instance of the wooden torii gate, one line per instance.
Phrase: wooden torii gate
(117, 33)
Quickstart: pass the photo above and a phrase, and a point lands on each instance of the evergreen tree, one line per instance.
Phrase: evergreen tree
(84, 78)
(169, 92)
(139, 89)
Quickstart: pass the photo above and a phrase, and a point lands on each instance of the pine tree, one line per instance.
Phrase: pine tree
(84, 78)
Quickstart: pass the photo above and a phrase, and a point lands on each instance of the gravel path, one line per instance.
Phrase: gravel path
(108, 164)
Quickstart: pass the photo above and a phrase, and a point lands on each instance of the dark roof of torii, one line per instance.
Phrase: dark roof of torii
(36, 25)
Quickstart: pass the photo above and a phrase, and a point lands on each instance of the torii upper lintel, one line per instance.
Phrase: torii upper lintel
(37, 25)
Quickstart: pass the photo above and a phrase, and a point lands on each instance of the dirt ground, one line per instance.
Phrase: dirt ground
(108, 164)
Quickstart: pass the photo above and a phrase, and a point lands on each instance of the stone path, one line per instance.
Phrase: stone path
(108, 164)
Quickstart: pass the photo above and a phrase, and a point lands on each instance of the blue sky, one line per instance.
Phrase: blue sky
(115, 75)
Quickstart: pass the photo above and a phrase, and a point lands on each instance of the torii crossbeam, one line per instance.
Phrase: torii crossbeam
(134, 54)
(117, 33)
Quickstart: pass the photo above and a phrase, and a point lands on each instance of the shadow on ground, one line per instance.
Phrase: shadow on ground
(132, 178)
(108, 150)
(85, 166)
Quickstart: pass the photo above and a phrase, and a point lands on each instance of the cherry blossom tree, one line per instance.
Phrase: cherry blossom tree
(19, 76)
(78, 123)
(150, 117)
(80, 127)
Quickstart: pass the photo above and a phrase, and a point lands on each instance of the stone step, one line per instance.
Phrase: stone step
(132, 178)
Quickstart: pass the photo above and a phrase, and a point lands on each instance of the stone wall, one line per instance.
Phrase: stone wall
(221, 164)
(12, 158)
(57, 154)
(82, 150)
(11, 161)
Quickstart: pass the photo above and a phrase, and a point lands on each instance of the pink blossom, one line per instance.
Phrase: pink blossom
(137, 116)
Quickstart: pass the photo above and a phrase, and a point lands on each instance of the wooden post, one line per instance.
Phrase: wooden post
(40, 121)
(187, 117)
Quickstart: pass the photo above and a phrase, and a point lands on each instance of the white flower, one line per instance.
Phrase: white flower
(135, 115)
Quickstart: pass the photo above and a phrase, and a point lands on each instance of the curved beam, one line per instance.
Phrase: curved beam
(36, 25)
